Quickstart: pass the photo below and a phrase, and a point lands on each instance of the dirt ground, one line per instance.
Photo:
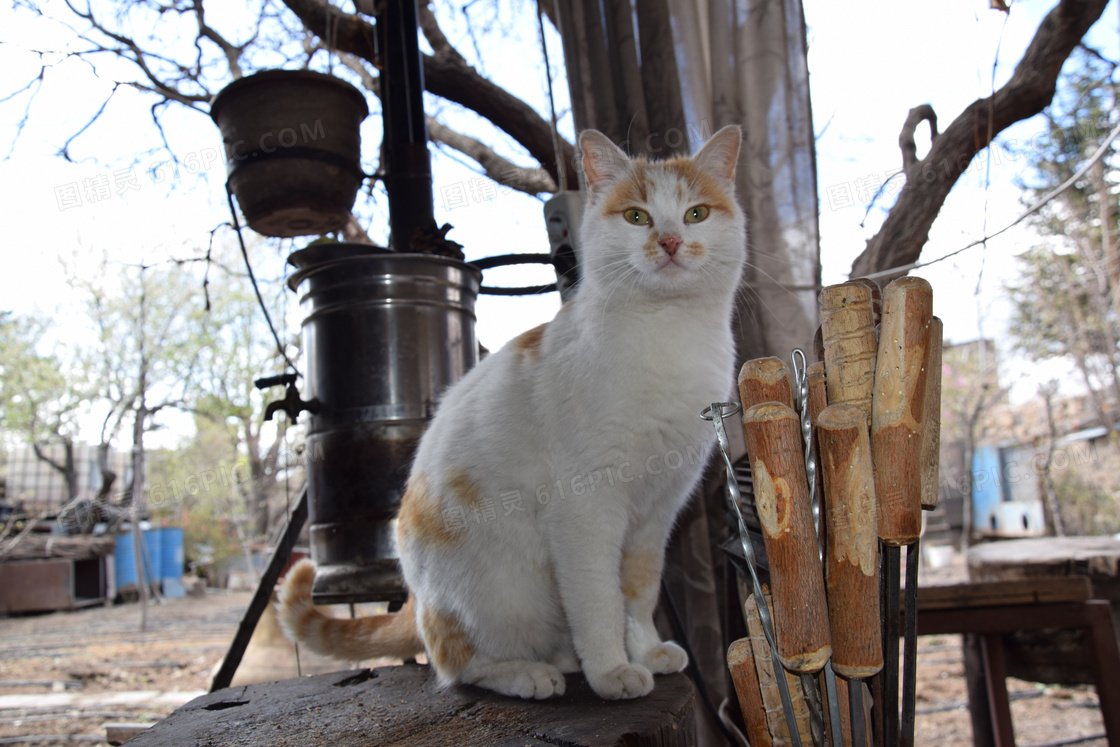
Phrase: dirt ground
(92, 666)
(63, 676)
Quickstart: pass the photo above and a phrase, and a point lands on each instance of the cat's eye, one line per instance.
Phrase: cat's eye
(636, 216)
(696, 214)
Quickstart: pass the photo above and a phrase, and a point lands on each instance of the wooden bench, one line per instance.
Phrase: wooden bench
(403, 706)
(992, 609)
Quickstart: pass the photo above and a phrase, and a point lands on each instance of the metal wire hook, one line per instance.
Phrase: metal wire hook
(724, 409)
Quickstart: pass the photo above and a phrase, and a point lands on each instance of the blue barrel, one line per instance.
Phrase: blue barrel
(171, 562)
(987, 487)
(125, 561)
(153, 554)
(171, 552)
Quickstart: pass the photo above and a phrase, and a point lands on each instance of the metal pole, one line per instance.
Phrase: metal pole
(406, 163)
(262, 596)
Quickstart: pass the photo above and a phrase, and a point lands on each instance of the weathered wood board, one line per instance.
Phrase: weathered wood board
(403, 706)
(1054, 656)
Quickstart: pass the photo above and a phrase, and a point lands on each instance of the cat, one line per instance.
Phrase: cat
(532, 532)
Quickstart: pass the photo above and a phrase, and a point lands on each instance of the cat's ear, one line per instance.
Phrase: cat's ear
(603, 161)
(721, 153)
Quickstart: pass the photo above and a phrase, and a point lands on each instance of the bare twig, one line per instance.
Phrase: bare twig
(64, 151)
(501, 170)
(232, 52)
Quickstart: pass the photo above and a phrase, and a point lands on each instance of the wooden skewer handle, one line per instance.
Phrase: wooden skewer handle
(931, 426)
(765, 380)
(744, 674)
(773, 437)
(876, 297)
(848, 325)
(898, 408)
(818, 390)
(852, 559)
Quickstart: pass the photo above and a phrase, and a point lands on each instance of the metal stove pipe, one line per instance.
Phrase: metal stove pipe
(384, 335)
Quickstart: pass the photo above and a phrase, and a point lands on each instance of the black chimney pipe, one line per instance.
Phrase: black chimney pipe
(406, 163)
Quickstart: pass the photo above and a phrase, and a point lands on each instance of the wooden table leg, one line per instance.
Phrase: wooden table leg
(976, 680)
(1105, 658)
(995, 667)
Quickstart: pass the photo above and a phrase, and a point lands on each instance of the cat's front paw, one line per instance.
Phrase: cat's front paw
(665, 658)
(538, 682)
(626, 681)
(521, 678)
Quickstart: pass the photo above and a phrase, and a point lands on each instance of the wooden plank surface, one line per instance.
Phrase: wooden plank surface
(995, 594)
(403, 706)
(1095, 557)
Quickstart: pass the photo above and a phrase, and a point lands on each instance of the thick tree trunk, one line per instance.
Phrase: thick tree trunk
(928, 181)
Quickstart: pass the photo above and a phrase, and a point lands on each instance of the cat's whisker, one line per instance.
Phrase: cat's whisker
(791, 289)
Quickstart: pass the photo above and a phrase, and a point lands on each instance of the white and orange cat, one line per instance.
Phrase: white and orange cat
(532, 534)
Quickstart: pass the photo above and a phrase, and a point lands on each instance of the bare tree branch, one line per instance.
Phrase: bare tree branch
(434, 34)
(130, 51)
(906, 142)
(64, 151)
(532, 181)
(370, 82)
(501, 170)
(37, 83)
(447, 77)
(231, 51)
(928, 181)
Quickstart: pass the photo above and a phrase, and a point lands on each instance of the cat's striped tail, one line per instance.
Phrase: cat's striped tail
(347, 639)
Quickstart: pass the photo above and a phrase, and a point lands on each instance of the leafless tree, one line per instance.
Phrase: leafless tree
(1031, 88)
(183, 57)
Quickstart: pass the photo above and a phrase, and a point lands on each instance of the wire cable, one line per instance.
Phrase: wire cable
(1041, 203)
(256, 287)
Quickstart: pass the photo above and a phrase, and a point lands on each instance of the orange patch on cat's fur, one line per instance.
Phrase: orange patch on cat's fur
(640, 571)
(530, 342)
(709, 190)
(448, 647)
(348, 639)
(632, 190)
(464, 488)
(421, 518)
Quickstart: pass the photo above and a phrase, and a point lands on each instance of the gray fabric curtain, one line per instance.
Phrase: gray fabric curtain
(658, 77)
(743, 61)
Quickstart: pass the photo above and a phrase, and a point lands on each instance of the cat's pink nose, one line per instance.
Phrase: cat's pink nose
(670, 243)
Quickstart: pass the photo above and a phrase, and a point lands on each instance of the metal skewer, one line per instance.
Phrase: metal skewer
(801, 393)
(716, 412)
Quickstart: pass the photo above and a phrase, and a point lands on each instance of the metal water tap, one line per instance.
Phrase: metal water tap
(291, 404)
